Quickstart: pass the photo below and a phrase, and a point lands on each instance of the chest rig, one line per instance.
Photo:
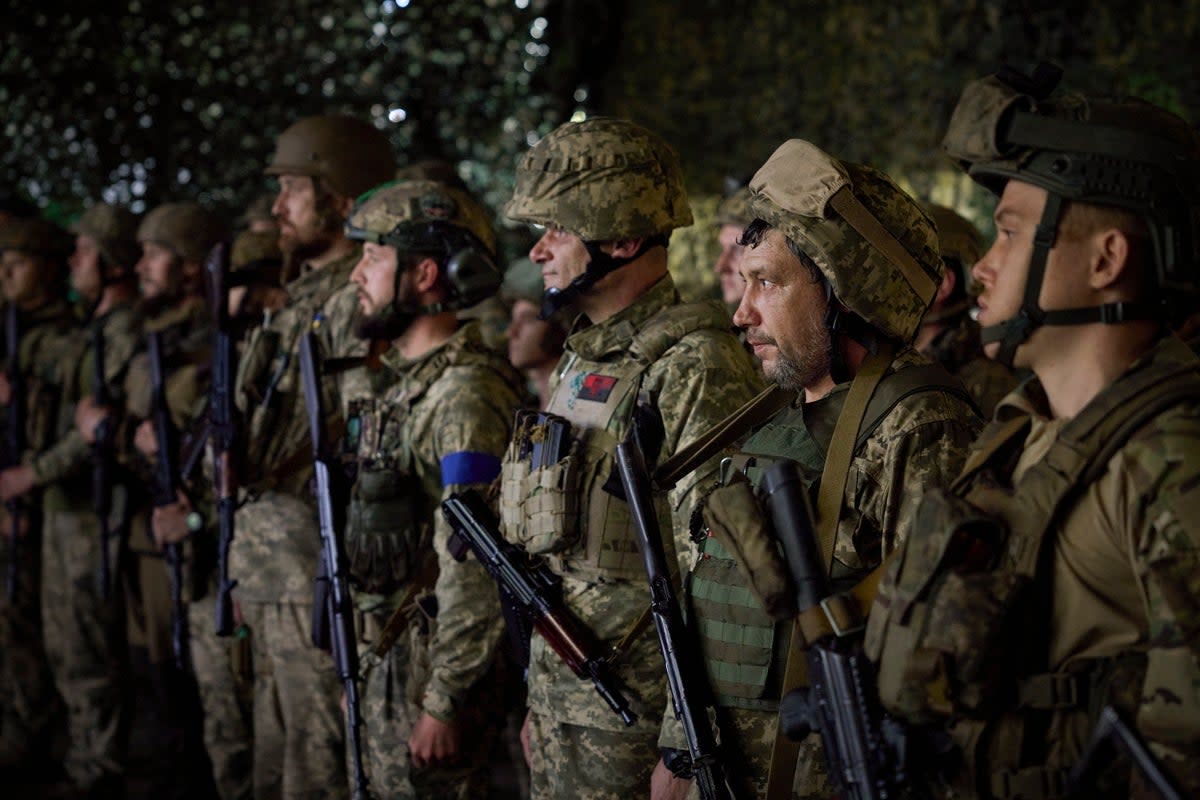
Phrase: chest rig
(962, 624)
(744, 646)
(562, 511)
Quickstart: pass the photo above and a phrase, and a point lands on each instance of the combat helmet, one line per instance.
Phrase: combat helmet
(36, 236)
(601, 179)
(734, 208)
(961, 246)
(114, 228)
(872, 241)
(426, 217)
(186, 229)
(350, 154)
(1127, 154)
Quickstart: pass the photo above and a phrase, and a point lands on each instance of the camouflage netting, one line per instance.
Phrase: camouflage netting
(152, 102)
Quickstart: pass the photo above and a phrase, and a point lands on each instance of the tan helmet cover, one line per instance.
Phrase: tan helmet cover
(186, 229)
(114, 228)
(870, 239)
(350, 154)
(735, 209)
(413, 203)
(601, 179)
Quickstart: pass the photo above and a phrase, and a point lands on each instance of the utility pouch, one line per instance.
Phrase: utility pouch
(939, 636)
(381, 537)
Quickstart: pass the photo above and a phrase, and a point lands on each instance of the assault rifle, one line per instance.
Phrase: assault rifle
(14, 442)
(533, 592)
(166, 486)
(864, 748)
(222, 428)
(679, 656)
(337, 635)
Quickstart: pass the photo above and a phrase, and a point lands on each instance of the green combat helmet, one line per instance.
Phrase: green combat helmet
(871, 240)
(349, 154)
(735, 208)
(429, 218)
(114, 228)
(1127, 154)
(36, 236)
(961, 246)
(186, 229)
(602, 179)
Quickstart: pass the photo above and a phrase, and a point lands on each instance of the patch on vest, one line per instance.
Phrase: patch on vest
(596, 388)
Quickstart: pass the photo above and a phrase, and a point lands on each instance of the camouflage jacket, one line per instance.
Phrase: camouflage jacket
(958, 349)
(440, 427)
(693, 385)
(120, 329)
(1125, 576)
(274, 553)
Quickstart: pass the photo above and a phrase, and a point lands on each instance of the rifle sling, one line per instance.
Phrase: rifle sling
(398, 620)
(757, 411)
(830, 496)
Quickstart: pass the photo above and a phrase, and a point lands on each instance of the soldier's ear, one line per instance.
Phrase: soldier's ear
(1111, 264)
(626, 248)
(426, 273)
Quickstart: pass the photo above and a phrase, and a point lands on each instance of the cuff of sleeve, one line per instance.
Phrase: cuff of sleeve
(671, 733)
(439, 705)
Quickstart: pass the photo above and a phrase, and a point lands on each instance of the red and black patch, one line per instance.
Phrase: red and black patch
(597, 387)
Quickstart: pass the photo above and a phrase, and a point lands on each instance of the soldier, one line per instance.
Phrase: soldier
(255, 267)
(322, 164)
(840, 266)
(948, 335)
(534, 344)
(1073, 585)
(85, 637)
(609, 193)
(259, 217)
(165, 727)
(733, 215)
(437, 423)
(33, 256)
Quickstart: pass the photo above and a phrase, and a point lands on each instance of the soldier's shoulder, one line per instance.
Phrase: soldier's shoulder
(1161, 454)
(943, 401)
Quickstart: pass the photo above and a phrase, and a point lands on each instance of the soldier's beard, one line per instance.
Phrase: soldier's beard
(809, 367)
(159, 303)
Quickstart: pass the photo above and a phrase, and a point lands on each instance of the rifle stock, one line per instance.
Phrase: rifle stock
(532, 592)
(337, 601)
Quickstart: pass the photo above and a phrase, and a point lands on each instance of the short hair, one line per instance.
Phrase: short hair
(756, 231)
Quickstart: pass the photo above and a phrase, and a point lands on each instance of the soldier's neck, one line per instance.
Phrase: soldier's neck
(426, 333)
(339, 248)
(1075, 363)
(853, 355)
(619, 290)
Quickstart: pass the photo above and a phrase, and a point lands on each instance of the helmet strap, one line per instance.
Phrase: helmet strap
(599, 265)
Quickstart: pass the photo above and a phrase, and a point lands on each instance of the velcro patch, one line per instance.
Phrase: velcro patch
(596, 387)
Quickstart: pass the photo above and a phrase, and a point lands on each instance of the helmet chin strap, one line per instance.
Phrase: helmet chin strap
(599, 265)
(1013, 332)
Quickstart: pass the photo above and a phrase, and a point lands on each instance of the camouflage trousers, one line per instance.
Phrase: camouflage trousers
(571, 761)
(299, 728)
(226, 684)
(392, 689)
(84, 642)
(32, 725)
(149, 614)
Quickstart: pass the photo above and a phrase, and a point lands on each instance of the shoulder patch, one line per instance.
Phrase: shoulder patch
(596, 387)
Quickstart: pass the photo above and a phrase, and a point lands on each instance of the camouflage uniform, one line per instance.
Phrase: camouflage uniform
(85, 633)
(298, 726)
(444, 422)
(913, 434)
(30, 708)
(1058, 575)
(603, 180)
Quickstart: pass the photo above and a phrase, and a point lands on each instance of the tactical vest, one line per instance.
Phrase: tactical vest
(957, 597)
(744, 649)
(563, 512)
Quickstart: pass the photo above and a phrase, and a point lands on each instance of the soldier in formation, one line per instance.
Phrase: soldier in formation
(1066, 521)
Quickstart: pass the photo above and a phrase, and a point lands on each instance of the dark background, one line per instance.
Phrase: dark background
(144, 102)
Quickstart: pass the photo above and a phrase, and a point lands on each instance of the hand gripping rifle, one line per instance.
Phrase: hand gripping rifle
(679, 654)
(339, 612)
(222, 428)
(166, 490)
(533, 592)
(864, 748)
(14, 442)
